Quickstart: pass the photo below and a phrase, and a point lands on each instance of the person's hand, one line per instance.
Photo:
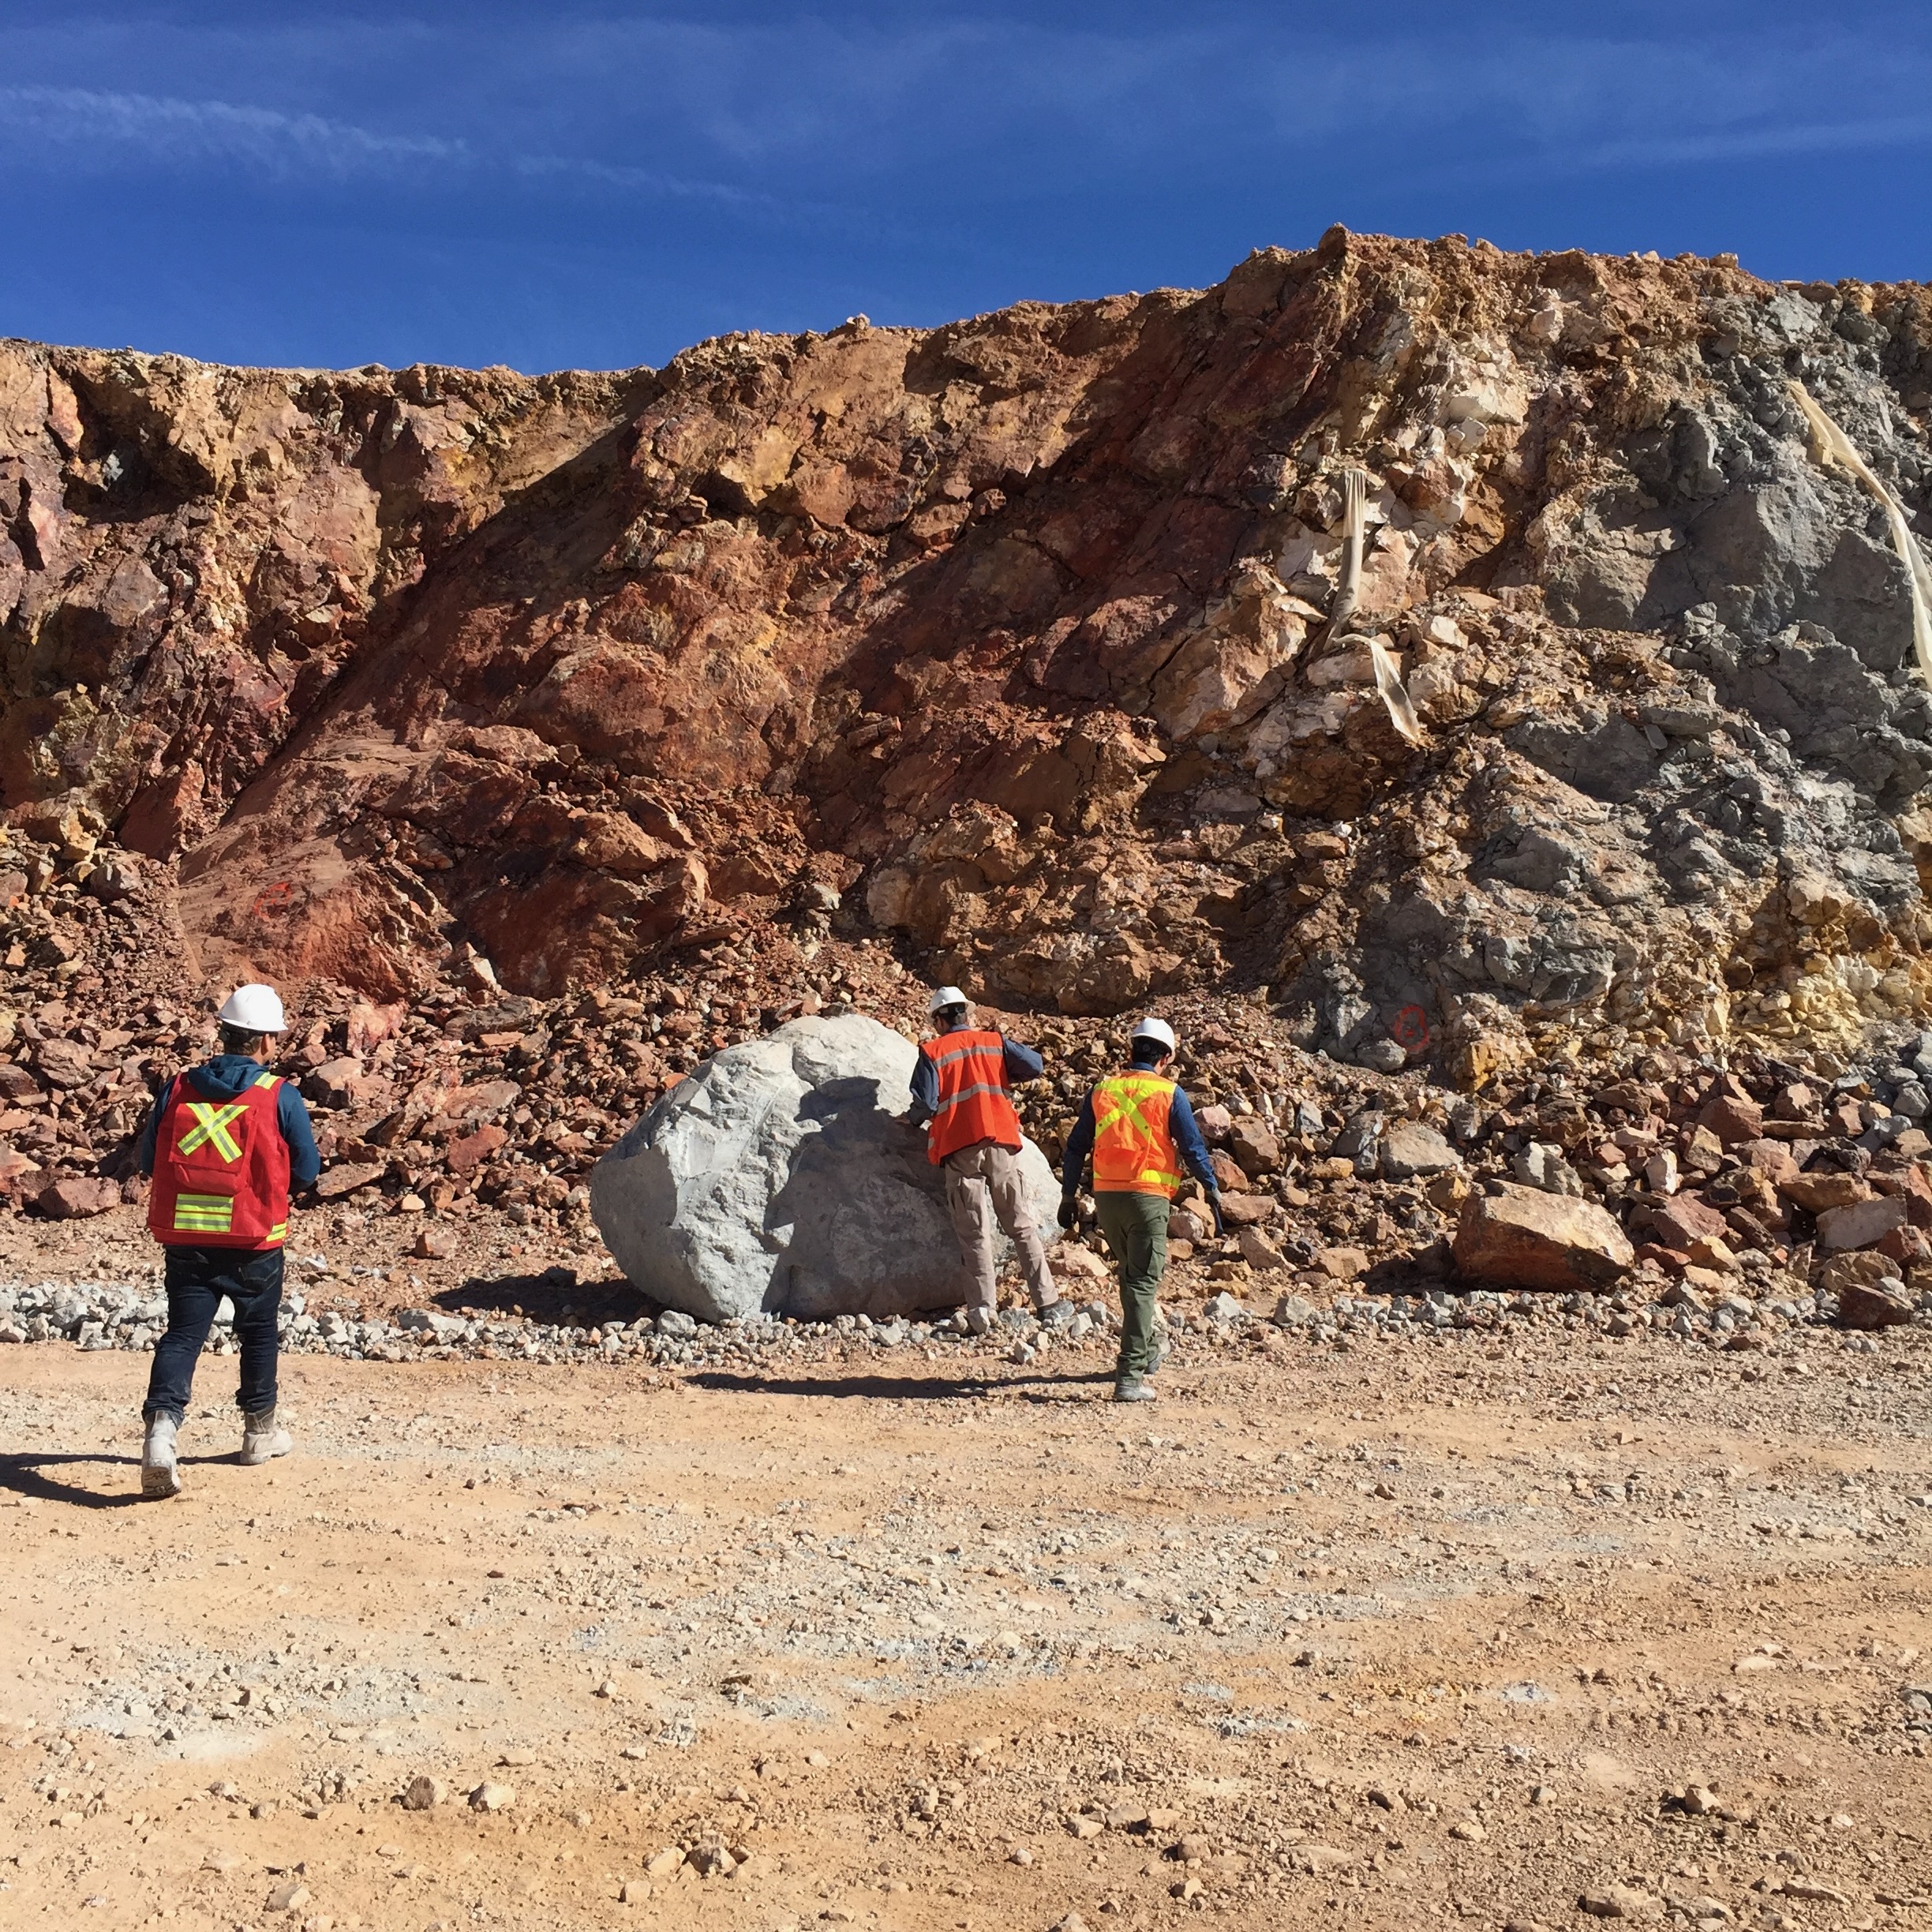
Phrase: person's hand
(1214, 1205)
(1070, 1212)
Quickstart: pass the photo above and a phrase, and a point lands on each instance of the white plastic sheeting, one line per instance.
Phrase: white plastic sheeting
(1830, 447)
(1388, 683)
(1394, 698)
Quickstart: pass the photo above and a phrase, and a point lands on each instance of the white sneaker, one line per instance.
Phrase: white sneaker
(978, 1320)
(160, 1473)
(261, 1440)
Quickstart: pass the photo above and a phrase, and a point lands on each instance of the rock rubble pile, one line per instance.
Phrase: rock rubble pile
(1770, 1180)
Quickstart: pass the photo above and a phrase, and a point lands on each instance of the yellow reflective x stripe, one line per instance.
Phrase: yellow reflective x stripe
(1128, 1110)
(204, 1214)
(1132, 1095)
(212, 1125)
(279, 1232)
(1124, 1096)
(1142, 1089)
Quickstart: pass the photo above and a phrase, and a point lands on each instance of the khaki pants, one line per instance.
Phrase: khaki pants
(982, 1182)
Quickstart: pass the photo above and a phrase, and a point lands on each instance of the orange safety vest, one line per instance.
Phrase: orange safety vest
(221, 1173)
(974, 1103)
(1133, 1150)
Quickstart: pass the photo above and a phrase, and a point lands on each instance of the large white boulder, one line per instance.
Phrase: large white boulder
(783, 1178)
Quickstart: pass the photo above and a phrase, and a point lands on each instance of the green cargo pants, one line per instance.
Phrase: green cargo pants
(1135, 1228)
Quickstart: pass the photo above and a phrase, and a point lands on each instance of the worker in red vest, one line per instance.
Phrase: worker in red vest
(224, 1142)
(960, 1090)
(1140, 1130)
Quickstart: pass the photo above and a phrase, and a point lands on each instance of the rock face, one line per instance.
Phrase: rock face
(783, 1178)
(545, 739)
(1015, 640)
(1525, 1238)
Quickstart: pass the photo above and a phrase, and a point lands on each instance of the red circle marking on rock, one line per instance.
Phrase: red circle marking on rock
(1410, 1030)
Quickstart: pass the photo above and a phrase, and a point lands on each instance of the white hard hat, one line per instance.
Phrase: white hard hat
(946, 997)
(254, 1008)
(1152, 1029)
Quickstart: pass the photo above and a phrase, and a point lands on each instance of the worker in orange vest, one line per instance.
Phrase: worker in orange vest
(1138, 1130)
(225, 1142)
(961, 1089)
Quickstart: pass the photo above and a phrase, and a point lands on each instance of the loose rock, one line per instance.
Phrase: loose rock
(1526, 1239)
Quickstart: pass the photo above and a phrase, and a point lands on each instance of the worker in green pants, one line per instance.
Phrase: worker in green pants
(1138, 1127)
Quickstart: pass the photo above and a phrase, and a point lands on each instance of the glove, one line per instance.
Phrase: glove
(1214, 1204)
(1070, 1212)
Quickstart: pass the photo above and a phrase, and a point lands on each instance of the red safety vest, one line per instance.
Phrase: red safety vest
(974, 1104)
(221, 1173)
(1133, 1150)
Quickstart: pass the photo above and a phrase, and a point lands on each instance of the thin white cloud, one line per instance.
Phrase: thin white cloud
(167, 128)
(820, 118)
(1745, 145)
(846, 101)
(622, 175)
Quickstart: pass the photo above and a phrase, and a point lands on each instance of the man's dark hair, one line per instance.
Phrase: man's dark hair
(236, 1039)
(951, 1016)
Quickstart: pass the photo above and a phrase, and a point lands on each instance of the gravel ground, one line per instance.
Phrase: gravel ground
(1371, 1632)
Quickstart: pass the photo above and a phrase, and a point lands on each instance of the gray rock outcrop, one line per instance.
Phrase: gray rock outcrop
(783, 1177)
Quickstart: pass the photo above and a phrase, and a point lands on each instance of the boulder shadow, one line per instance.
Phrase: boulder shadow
(554, 1296)
(860, 1186)
(937, 1387)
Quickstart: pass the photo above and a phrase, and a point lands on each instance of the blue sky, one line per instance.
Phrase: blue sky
(598, 185)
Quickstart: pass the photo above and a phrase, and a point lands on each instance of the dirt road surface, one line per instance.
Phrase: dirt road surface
(1426, 1632)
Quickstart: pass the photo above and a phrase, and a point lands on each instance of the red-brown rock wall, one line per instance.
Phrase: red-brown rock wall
(1023, 628)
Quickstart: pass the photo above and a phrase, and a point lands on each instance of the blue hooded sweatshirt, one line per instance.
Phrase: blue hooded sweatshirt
(227, 1077)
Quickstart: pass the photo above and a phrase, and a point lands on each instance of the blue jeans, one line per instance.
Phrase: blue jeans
(197, 1279)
